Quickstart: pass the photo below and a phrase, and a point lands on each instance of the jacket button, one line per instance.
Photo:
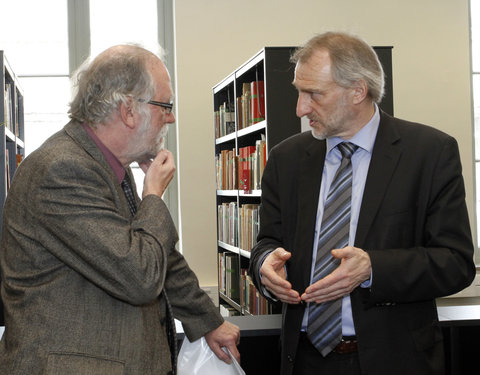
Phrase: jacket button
(290, 359)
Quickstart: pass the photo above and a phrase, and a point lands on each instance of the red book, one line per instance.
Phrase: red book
(257, 103)
(245, 172)
(240, 179)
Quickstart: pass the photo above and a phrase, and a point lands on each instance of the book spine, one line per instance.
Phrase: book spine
(257, 102)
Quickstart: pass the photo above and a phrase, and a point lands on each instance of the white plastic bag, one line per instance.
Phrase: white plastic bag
(196, 358)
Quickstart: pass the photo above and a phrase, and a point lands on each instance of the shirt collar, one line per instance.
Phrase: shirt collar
(112, 160)
(364, 138)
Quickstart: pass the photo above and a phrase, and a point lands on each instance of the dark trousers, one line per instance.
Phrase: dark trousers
(309, 361)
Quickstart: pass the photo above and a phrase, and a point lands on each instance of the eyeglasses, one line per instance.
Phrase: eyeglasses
(168, 106)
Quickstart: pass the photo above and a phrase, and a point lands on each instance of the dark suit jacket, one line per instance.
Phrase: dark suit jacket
(83, 283)
(413, 223)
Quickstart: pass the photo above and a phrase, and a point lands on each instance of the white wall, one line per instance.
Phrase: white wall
(431, 79)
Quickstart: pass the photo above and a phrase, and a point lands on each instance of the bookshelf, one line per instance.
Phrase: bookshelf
(244, 134)
(12, 135)
(254, 109)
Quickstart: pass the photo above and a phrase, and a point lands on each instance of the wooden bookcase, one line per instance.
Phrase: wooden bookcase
(238, 201)
(12, 134)
(241, 148)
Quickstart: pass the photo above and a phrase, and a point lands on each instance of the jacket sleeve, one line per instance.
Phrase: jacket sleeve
(190, 304)
(270, 234)
(429, 253)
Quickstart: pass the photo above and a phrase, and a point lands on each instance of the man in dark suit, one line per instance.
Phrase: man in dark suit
(91, 278)
(406, 234)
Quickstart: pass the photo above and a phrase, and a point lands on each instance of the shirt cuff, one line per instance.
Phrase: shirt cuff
(264, 290)
(367, 283)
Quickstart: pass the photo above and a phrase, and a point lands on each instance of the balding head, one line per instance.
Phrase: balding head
(111, 78)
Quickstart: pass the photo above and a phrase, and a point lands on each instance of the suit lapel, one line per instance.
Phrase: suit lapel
(80, 136)
(385, 156)
(76, 131)
(310, 176)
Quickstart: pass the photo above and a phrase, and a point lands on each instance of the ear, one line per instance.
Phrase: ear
(360, 91)
(128, 113)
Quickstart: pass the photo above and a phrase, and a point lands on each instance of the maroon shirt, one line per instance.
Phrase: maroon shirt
(112, 160)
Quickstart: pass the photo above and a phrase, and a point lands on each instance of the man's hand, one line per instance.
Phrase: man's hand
(355, 268)
(158, 173)
(227, 335)
(274, 277)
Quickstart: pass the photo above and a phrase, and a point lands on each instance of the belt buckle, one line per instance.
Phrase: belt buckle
(346, 346)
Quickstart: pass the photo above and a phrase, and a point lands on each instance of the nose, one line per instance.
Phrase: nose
(303, 104)
(171, 118)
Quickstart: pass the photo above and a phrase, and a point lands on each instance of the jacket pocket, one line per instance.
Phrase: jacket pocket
(82, 364)
(427, 336)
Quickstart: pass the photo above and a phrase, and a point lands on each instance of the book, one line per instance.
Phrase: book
(245, 100)
(221, 272)
(257, 104)
(251, 300)
(226, 170)
(227, 216)
(248, 226)
(224, 119)
(8, 102)
(19, 159)
(7, 170)
(240, 120)
(232, 276)
(245, 162)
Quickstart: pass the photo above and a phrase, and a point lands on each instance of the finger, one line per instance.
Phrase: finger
(287, 296)
(281, 253)
(234, 352)
(145, 165)
(161, 157)
(269, 272)
(275, 283)
(326, 294)
(220, 353)
(323, 298)
(168, 157)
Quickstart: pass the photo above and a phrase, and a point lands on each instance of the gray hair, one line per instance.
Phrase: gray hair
(352, 60)
(115, 75)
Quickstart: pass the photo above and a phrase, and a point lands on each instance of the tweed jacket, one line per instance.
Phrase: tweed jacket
(84, 283)
(413, 223)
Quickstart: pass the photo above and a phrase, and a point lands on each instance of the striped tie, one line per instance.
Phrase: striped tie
(325, 320)
(127, 189)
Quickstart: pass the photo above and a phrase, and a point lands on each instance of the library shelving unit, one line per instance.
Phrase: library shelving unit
(12, 147)
(254, 109)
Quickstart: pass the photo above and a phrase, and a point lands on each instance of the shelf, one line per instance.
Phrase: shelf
(234, 249)
(226, 138)
(244, 253)
(9, 135)
(241, 193)
(252, 129)
(231, 302)
(227, 193)
(254, 61)
(228, 247)
(250, 193)
(224, 83)
(240, 159)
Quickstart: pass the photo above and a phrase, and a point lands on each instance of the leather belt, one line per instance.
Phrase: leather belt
(346, 346)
